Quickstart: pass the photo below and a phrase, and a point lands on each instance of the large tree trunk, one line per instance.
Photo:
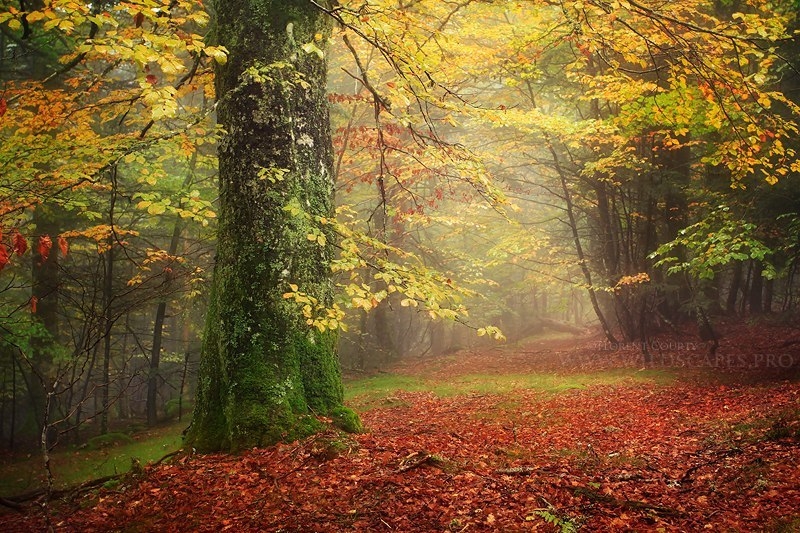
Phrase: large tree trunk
(263, 372)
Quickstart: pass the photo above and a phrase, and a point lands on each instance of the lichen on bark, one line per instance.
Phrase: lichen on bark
(264, 373)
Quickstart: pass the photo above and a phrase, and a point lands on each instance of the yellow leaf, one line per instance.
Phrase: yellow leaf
(156, 209)
(35, 16)
(219, 53)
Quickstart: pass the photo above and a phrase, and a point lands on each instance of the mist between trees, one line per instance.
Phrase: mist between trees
(382, 180)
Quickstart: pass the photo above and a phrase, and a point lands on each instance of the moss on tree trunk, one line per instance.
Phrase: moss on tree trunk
(263, 372)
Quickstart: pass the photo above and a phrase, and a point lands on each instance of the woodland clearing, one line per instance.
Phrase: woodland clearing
(547, 435)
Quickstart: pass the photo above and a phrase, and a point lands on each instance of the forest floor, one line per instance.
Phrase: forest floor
(546, 435)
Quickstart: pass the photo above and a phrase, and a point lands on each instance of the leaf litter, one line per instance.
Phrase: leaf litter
(709, 450)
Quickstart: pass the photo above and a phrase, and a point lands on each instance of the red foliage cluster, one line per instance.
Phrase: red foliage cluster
(339, 98)
(19, 245)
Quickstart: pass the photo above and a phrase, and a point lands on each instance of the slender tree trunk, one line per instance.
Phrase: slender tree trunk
(46, 279)
(182, 390)
(769, 294)
(108, 322)
(3, 403)
(108, 317)
(756, 290)
(155, 361)
(587, 274)
(264, 373)
(158, 333)
(733, 292)
(161, 311)
(13, 429)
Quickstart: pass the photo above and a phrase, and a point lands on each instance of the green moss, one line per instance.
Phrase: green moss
(263, 372)
(264, 425)
(346, 419)
(321, 376)
(174, 406)
(108, 440)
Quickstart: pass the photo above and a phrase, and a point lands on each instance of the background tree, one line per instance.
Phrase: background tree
(94, 139)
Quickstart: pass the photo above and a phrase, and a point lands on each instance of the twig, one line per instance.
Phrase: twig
(635, 505)
(516, 470)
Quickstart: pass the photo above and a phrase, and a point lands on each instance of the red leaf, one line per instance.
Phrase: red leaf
(151, 79)
(138, 19)
(45, 243)
(20, 245)
(3, 256)
(34, 304)
(63, 245)
(3, 106)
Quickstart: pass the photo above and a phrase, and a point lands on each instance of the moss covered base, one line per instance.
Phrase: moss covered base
(347, 420)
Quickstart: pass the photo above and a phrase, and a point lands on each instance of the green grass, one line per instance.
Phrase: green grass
(72, 466)
(789, 524)
(112, 455)
(378, 390)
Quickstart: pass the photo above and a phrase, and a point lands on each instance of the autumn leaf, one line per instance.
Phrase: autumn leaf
(34, 304)
(20, 245)
(3, 256)
(45, 243)
(3, 106)
(63, 245)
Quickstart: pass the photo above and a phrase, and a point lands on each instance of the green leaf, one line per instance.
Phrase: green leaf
(311, 47)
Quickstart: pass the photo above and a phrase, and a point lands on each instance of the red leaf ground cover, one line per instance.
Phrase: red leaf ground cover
(717, 449)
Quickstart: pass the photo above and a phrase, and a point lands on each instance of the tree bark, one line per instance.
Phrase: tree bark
(736, 281)
(757, 289)
(263, 372)
(573, 224)
(161, 312)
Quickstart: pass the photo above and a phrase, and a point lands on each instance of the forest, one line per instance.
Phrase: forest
(414, 265)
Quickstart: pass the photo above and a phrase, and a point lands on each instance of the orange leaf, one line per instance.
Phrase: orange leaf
(3, 256)
(63, 245)
(34, 304)
(3, 106)
(45, 243)
(20, 245)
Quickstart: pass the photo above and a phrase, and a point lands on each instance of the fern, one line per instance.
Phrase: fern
(564, 524)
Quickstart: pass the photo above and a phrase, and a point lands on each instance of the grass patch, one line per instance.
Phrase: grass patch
(785, 525)
(784, 424)
(72, 466)
(109, 440)
(376, 391)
